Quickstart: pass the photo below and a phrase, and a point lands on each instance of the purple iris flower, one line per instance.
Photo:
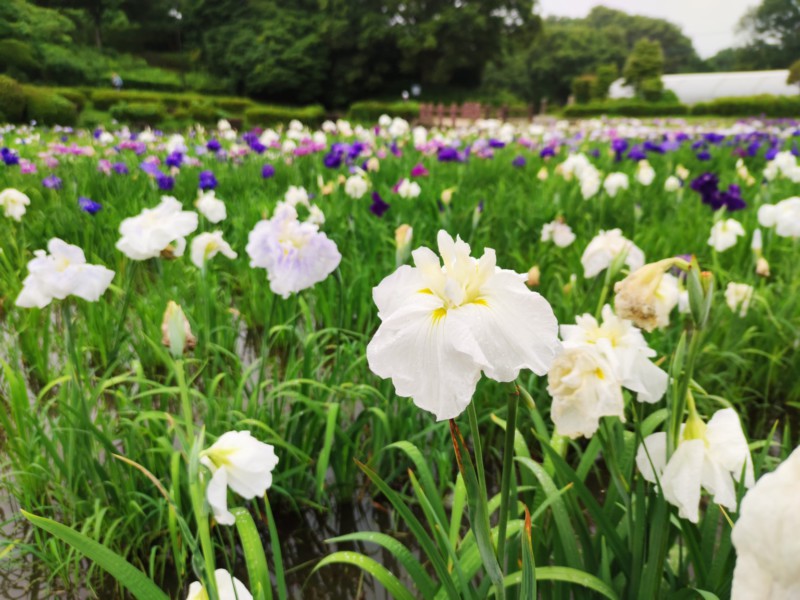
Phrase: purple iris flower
(378, 206)
(393, 148)
(705, 184)
(213, 145)
(681, 137)
(419, 170)
(150, 168)
(174, 159)
(495, 143)
(519, 161)
(547, 152)
(619, 145)
(771, 153)
(97, 133)
(714, 138)
(52, 182)
(267, 171)
(698, 144)
(89, 206)
(447, 154)
(637, 153)
(120, 168)
(651, 146)
(332, 160)
(732, 198)
(753, 148)
(10, 158)
(207, 180)
(704, 155)
(258, 147)
(165, 182)
(595, 152)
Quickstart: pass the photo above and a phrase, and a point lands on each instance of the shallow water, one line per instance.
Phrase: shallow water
(302, 543)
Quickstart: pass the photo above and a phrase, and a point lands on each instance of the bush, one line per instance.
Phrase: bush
(651, 89)
(236, 106)
(12, 99)
(582, 88)
(606, 75)
(48, 108)
(269, 115)
(626, 108)
(794, 73)
(91, 118)
(750, 106)
(20, 57)
(151, 78)
(66, 68)
(198, 113)
(78, 98)
(371, 110)
(139, 113)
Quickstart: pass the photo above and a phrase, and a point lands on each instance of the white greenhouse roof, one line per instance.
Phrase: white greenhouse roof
(701, 87)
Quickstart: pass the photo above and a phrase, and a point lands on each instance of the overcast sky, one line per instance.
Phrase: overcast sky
(711, 24)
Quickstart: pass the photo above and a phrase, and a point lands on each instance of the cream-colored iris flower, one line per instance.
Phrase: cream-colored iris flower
(443, 323)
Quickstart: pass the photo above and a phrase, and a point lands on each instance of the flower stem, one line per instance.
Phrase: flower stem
(186, 403)
(197, 487)
(508, 473)
(476, 443)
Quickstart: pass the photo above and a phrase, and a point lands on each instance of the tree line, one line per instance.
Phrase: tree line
(336, 51)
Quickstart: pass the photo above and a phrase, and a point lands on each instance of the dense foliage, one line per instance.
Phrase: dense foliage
(83, 381)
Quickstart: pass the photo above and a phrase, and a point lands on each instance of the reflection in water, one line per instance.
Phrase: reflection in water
(302, 542)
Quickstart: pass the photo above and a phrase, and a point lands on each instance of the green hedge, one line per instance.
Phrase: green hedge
(48, 108)
(371, 110)
(19, 57)
(264, 114)
(233, 105)
(12, 99)
(626, 108)
(139, 113)
(750, 106)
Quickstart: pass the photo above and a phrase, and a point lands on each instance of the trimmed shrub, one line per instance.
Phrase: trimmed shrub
(105, 99)
(139, 113)
(652, 89)
(20, 57)
(582, 88)
(233, 105)
(151, 78)
(12, 99)
(74, 95)
(371, 110)
(626, 108)
(91, 118)
(750, 106)
(198, 113)
(606, 75)
(63, 67)
(264, 114)
(48, 108)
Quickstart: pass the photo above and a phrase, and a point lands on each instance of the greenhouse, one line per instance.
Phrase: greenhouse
(702, 87)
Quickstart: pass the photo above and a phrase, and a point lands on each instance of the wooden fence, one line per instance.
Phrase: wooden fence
(440, 115)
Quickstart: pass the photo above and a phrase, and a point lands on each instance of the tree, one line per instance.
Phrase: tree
(794, 73)
(775, 24)
(679, 53)
(97, 11)
(645, 63)
(605, 76)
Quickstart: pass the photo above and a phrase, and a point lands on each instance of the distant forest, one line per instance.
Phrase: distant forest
(336, 51)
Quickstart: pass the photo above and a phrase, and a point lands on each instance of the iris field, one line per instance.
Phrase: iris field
(310, 363)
